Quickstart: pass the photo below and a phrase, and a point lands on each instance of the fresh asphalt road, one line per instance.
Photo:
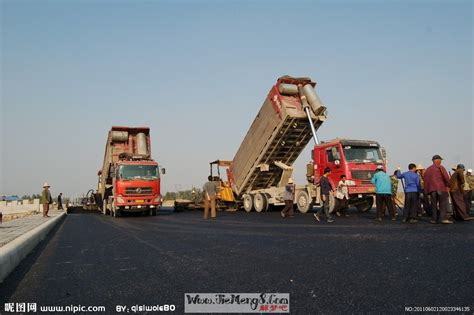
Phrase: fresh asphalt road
(351, 266)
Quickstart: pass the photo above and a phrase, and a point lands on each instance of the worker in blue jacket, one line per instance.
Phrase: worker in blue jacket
(383, 193)
(412, 189)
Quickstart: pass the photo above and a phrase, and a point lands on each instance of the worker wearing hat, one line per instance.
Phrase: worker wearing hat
(46, 199)
(288, 197)
(468, 188)
(383, 193)
(456, 190)
(437, 187)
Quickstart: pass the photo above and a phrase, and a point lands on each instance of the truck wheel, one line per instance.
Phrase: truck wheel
(153, 212)
(248, 202)
(365, 205)
(304, 202)
(260, 202)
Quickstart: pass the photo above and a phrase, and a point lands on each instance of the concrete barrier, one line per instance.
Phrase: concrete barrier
(21, 206)
(13, 253)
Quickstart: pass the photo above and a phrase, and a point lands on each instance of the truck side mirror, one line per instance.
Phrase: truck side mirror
(163, 171)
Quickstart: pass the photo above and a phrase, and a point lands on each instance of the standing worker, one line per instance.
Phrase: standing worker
(46, 199)
(210, 193)
(468, 188)
(383, 193)
(342, 197)
(60, 201)
(412, 191)
(288, 197)
(326, 189)
(437, 187)
(456, 191)
(423, 204)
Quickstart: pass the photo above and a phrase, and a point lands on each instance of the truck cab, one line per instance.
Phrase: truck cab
(357, 159)
(137, 185)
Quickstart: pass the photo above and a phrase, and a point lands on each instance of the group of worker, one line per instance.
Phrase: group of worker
(426, 192)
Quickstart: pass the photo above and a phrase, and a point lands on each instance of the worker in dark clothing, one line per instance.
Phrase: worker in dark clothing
(456, 190)
(412, 190)
(437, 187)
(424, 206)
(326, 189)
(468, 188)
(60, 201)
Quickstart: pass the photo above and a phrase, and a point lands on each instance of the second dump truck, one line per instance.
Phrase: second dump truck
(288, 119)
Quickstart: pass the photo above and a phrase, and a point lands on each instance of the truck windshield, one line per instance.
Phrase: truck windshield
(362, 154)
(146, 172)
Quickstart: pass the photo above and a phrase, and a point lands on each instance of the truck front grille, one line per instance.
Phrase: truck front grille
(138, 190)
(363, 175)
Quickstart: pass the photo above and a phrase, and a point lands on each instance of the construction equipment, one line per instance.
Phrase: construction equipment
(129, 180)
(286, 122)
(290, 116)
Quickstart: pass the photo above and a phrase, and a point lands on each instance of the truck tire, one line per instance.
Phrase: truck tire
(260, 202)
(248, 202)
(303, 202)
(365, 205)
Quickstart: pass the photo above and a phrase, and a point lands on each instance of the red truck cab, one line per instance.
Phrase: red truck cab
(137, 185)
(357, 159)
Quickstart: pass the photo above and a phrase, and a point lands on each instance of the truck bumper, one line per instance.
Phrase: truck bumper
(137, 208)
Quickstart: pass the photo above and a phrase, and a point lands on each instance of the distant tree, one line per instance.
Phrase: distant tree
(185, 194)
(170, 196)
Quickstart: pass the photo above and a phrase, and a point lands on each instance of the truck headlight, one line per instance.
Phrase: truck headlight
(120, 199)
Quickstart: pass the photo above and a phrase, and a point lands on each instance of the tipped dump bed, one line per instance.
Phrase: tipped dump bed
(279, 133)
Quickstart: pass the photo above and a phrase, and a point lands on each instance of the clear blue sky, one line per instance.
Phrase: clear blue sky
(197, 72)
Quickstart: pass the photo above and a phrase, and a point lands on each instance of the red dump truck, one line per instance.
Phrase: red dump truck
(129, 180)
(286, 122)
(288, 119)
